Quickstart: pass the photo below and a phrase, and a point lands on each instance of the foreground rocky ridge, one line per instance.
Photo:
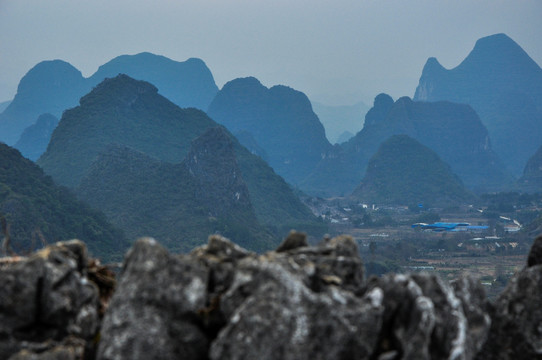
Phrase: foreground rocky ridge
(224, 302)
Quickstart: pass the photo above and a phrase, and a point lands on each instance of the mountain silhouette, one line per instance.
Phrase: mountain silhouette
(187, 84)
(34, 139)
(49, 87)
(453, 131)
(405, 172)
(130, 113)
(280, 120)
(503, 85)
(55, 86)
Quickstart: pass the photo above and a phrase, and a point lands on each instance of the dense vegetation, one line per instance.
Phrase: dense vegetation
(37, 211)
(131, 114)
(124, 111)
(149, 197)
(405, 172)
(280, 120)
(453, 131)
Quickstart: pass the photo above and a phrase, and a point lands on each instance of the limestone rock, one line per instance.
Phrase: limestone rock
(153, 313)
(273, 312)
(535, 255)
(516, 330)
(293, 240)
(424, 318)
(45, 299)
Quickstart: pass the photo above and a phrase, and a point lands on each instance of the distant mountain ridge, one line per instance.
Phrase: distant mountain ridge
(453, 131)
(49, 87)
(128, 113)
(187, 84)
(405, 172)
(279, 119)
(54, 86)
(503, 85)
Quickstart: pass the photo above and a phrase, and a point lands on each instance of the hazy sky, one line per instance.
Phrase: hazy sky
(337, 52)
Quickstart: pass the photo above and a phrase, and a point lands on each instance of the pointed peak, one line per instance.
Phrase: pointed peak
(383, 100)
(248, 82)
(121, 87)
(501, 51)
(432, 65)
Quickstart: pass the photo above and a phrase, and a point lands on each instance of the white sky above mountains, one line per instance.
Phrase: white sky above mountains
(337, 52)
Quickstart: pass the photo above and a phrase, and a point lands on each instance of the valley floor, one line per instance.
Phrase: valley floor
(388, 243)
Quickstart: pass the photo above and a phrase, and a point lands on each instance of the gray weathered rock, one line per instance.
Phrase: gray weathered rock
(516, 329)
(153, 313)
(46, 298)
(425, 319)
(223, 302)
(293, 240)
(471, 293)
(273, 311)
(535, 255)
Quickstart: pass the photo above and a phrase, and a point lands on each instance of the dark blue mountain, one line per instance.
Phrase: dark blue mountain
(122, 113)
(531, 181)
(187, 84)
(280, 121)
(503, 85)
(453, 131)
(405, 172)
(4, 105)
(34, 139)
(49, 87)
(55, 86)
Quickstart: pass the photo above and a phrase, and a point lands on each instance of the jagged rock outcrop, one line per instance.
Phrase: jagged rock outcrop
(299, 302)
(426, 318)
(48, 305)
(154, 312)
(516, 330)
(223, 302)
